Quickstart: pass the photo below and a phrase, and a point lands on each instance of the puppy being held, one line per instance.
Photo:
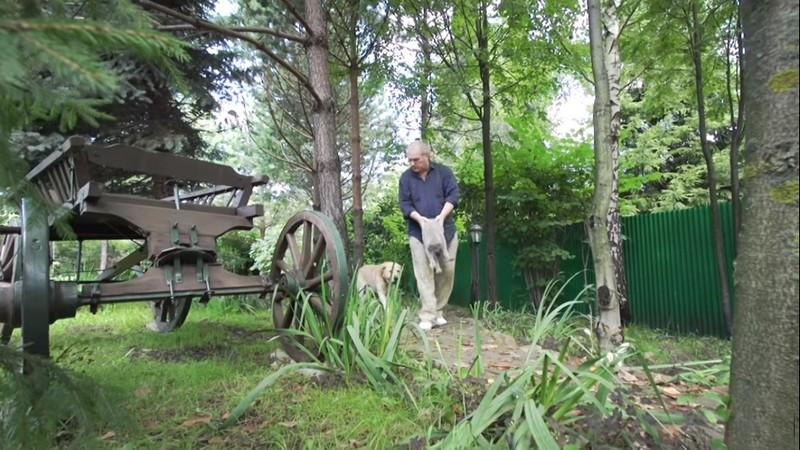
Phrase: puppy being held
(378, 277)
(435, 244)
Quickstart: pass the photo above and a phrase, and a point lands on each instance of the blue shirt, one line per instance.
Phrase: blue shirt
(428, 197)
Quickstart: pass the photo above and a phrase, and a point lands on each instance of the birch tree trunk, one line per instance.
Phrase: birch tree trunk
(328, 165)
(609, 327)
(764, 379)
(611, 38)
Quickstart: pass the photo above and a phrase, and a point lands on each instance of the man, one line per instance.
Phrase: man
(428, 194)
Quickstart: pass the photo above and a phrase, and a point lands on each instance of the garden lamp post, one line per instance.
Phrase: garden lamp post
(475, 232)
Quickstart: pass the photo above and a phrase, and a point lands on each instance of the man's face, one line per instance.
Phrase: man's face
(419, 162)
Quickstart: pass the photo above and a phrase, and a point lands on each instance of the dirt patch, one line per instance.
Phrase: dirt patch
(183, 354)
(91, 329)
(246, 333)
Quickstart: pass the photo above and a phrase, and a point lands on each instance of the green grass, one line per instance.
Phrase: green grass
(662, 347)
(157, 382)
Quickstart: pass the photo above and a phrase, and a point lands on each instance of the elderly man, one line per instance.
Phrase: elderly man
(428, 195)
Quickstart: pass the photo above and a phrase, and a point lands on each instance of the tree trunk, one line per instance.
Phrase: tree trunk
(711, 174)
(736, 122)
(609, 327)
(488, 168)
(425, 82)
(355, 138)
(611, 39)
(326, 157)
(764, 382)
(355, 153)
(425, 79)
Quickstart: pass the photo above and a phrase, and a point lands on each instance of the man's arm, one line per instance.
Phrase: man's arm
(451, 195)
(406, 202)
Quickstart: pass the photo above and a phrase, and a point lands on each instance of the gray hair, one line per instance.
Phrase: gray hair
(420, 146)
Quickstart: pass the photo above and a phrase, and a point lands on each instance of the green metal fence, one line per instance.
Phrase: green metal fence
(669, 262)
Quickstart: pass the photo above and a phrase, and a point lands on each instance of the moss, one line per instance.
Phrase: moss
(787, 193)
(785, 80)
(753, 170)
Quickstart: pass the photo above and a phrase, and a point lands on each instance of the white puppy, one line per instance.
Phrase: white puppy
(378, 277)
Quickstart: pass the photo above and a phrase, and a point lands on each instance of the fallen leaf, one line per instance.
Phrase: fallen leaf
(627, 377)
(672, 430)
(142, 391)
(670, 391)
(288, 424)
(197, 419)
(660, 378)
(150, 424)
(357, 443)
(502, 365)
(226, 415)
(216, 440)
(108, 435)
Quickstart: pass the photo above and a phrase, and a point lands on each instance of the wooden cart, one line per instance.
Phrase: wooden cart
(189, 205)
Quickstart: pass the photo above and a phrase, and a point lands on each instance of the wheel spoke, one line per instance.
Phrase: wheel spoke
(308, 234)
(162, 311)
(319, 246)
(283, 266)
(295, 252)
(314, 282)
(281, 311)
(319, 306)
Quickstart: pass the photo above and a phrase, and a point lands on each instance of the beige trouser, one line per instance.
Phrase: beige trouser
(434, 289)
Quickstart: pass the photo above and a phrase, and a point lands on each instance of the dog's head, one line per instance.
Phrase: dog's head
(391, 271)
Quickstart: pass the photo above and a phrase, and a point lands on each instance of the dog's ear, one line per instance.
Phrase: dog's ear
(386, 271)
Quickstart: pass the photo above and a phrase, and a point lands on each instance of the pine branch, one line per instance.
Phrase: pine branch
(202, 24)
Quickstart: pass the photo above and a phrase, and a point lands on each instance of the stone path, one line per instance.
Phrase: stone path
(455, 346)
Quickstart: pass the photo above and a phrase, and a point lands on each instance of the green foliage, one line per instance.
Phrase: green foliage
(386, 234)
(542, 183)
(54, 69)
(662, 347)
(234, 251)
(661, 163)
(51, 405)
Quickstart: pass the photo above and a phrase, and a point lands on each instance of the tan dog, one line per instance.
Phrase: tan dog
(378, 277)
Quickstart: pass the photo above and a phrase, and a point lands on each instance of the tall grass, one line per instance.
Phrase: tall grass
(366, 344)
(555, 318)
(516, 411)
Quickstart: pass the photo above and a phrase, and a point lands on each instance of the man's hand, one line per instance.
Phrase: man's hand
(446, 210)
(417, 217)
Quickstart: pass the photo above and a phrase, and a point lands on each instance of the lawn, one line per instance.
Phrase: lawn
(175, 390)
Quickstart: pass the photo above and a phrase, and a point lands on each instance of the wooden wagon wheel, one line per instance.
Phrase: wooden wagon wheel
(9, 273)
(309, 263)
(169, 314)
